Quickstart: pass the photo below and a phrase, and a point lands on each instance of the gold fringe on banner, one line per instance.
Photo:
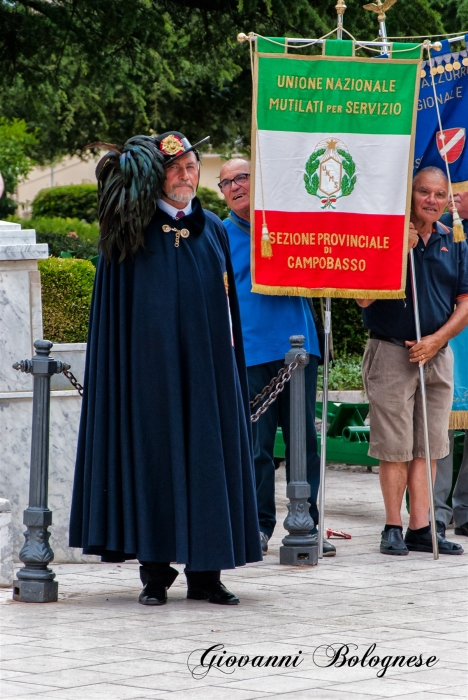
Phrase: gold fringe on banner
(458, 187)
(458, 420)
(335, 293)
(458, 232)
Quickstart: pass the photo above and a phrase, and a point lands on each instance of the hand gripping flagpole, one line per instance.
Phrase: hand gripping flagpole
(422, 383)
(323, 431)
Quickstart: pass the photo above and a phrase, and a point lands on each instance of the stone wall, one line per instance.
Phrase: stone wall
(20, 326)
(6, 544)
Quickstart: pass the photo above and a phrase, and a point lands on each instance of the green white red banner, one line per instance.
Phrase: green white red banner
(332, 153)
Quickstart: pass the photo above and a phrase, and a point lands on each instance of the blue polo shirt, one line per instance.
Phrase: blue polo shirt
(441, 277)
(267, 321)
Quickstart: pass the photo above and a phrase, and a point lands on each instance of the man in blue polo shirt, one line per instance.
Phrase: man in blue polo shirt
(267, 324)
(391, 361)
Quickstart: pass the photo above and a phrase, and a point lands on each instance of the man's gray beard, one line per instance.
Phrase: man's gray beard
(181, 198)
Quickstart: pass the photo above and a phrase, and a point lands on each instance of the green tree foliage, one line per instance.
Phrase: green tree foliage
(454, 14)
(70, 201)
(344, 375)
(210, 200)
(61, 243)
(349, 334)
(86, 70)
(15, 162)
(67, 285)
(56, 225)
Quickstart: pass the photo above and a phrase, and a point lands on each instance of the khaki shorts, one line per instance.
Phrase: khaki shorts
(392, 386)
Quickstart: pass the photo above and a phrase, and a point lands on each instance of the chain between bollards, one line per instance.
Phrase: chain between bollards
(35, 583)
(276, 386)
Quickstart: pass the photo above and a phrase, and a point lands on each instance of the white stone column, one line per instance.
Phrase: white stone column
(6, 544)
(20, 302)
(20, 326)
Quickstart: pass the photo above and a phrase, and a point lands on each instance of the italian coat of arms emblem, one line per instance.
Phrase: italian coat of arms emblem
(330, 172)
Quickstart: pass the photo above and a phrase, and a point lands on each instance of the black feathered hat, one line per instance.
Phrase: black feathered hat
(173, 144)
(130, 181)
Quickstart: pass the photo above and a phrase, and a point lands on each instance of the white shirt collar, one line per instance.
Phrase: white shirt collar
(172, 211)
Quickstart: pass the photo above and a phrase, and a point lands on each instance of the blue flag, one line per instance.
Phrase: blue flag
(459, 345)
(451, 84)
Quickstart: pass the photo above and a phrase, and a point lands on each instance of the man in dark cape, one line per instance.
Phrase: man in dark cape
(164, 463)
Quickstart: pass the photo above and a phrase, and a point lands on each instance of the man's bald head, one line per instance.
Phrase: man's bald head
(430, 170)
(237, 194)
(234, 163)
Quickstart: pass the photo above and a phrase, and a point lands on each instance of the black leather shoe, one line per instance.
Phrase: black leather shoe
(392, 542)
(329, 549)
(423, 543)
(215, 593)
(441, 528)
(264, 542)
(153, 594)
(462, 530)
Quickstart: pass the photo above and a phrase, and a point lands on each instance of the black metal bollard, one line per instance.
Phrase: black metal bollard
(35, 583)
(298, 548)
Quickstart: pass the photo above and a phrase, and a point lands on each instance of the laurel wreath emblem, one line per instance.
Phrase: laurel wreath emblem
(312, 181)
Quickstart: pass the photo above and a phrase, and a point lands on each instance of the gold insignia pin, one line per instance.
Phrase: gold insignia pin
(184, 232)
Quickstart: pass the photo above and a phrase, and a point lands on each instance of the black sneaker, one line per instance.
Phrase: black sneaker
(417, 542)
(264, 542)
(392, 542)
(462, 530)
(328, 549)
(153, 594)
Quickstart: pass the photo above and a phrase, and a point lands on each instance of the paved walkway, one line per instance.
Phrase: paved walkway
(97, 642)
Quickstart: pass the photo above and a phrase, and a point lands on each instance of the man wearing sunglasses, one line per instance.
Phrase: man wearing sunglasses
(267, 324)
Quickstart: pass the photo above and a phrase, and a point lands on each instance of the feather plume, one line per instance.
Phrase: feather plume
(130, 181)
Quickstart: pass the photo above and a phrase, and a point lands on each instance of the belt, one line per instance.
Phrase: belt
(394, 341)
(388, 339)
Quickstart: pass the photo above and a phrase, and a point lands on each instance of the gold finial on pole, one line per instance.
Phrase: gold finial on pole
(340, 8)
(381, 8)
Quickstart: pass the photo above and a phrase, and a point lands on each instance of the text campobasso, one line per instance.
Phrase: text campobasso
(332, 172)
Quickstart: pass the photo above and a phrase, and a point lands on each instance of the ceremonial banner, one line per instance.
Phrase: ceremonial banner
(451, 84)
(459, 415)
(333, 158)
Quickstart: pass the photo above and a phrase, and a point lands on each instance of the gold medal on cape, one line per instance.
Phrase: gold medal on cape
(185, 233)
